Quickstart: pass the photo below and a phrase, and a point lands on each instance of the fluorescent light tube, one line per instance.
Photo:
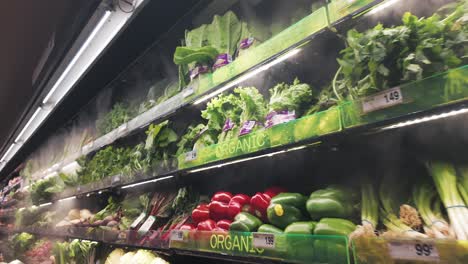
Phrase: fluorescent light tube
(67, 199)
(427, 118)
(382, 6)
(248, 75)
(145, 182)
(26, 127)
(75, 58)
(8, 152)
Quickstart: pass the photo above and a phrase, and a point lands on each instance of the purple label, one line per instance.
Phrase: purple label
(221, 60)
(247, 127)
(198, 70)
(228, 125)
(274, 118)
(246, 43)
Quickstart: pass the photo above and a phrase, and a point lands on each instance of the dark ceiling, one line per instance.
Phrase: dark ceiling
(26, 27)
(156, 18)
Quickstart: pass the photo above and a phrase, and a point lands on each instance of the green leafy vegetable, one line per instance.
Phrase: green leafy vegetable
(186, 55)
(382, 58)
(295, 97)
(119, 114)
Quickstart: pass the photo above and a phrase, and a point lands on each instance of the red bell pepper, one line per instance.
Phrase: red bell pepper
(259, 204)
(224, 197)
(242, 199)
(273, 191)
(187, 227)
(200, 213)
(239, 203)
(224, 224)
(207, 225)
(218, 210)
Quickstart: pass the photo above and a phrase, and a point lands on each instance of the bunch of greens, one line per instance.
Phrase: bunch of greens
(382, 58)
(43, 190)
(220, 109)
(106, 162)
(119, 114)
(160, 145)
(132, 207)
(252, 104)
(112, 208)
(77, 251)
(203, 44)
(22, 242)
(70, 180)
(28, 216)
(196, 137)
(295, 97)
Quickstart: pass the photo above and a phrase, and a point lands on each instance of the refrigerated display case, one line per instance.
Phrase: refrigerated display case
(263, 131)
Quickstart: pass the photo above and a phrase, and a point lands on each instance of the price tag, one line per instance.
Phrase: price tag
(191, 155)
(263, 240)
(177, 235)
(382, 100)
(116, 180)
(188, 92)
(137, 221)
(410, 250)
(87, 148)
(145, 227)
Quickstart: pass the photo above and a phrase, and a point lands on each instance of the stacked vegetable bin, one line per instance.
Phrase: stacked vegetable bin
(236, 104)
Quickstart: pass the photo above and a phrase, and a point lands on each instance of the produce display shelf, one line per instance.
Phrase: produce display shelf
(240, 246)
(296, 134)
(283, 135)
(242, 68)
(266, 54)
(326, 127)
(439, 90)
(294, 248)
(409, 250)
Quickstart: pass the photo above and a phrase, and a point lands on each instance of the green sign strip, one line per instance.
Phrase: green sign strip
(338, 9)
(442, 89)
(295, 131)
(291, 247)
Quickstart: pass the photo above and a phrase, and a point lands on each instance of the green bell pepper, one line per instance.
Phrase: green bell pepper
(294, 199)
(305, 228)
(266, 228)
(334, 226)
(245, 222)
(333, 201)
(283, 215)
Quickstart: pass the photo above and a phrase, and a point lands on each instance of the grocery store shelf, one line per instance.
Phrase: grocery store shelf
(266, 55)
(234, 246)
(325, 128)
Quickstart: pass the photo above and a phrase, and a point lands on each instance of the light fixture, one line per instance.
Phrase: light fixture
(249, 75)
(67, 199)
(102, 28)
(427, 118)
(4, 158)
(75, 59)
(146, 182)
(26, 127)
(381, 6)
(44, 204)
